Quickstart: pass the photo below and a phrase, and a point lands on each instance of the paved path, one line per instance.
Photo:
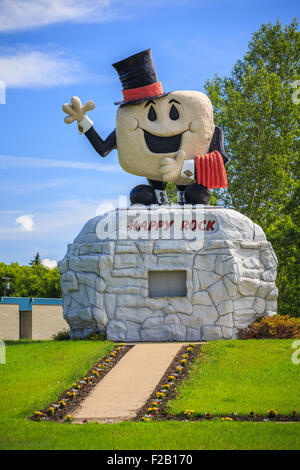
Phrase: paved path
(129, 384)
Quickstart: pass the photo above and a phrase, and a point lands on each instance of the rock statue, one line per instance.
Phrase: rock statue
(161, 136)
(137, 284)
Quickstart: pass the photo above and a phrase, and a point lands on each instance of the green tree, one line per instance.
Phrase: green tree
(31, 281)
(36, 261)
(260, 119)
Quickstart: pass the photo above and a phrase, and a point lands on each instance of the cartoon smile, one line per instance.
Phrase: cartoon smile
(157, 144)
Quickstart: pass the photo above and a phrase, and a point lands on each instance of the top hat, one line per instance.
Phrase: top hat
(138, 77)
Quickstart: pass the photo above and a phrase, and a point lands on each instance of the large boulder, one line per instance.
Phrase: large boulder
(139, 279)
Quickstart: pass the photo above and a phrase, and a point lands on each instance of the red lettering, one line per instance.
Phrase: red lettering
(168, 224)
(193, 225)
(160, 224)
(200, 225)
(144, 225)
(152, 224)
(132, 225)
(210, 225)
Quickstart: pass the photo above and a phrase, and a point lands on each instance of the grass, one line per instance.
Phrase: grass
(168, 435)
(240, 377)
(37, 372)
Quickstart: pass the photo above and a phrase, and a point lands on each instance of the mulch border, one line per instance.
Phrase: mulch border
(82, 393)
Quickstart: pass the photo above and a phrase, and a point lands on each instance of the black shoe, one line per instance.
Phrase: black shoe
(197, 194)
(143, 194)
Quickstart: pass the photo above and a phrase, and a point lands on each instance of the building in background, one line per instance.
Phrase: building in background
(32, 318)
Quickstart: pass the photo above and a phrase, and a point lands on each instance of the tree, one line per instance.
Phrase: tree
(260, 119)
(31, 281)
(36, 261)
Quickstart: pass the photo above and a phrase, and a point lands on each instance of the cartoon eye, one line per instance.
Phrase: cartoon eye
(173, 113)
(151, 114)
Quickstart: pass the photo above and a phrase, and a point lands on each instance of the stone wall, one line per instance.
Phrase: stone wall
(230, 281)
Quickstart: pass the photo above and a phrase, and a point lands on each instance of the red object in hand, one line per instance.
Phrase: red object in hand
(210, 170)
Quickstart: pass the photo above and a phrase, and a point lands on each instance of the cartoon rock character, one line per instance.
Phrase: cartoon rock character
(161, 136)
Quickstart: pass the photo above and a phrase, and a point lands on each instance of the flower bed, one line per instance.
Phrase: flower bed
(62, 409)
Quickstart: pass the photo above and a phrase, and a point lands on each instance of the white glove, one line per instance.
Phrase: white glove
(76, 111)
(170, 168)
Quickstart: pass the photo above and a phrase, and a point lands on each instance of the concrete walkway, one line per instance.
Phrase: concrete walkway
(129, 384)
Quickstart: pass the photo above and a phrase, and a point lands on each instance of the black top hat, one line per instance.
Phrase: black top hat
(138, 77)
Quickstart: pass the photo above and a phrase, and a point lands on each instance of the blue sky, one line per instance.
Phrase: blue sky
(52, 181)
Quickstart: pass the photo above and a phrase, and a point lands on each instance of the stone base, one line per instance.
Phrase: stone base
(230, 280)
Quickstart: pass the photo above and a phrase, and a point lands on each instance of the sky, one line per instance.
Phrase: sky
(52, 181)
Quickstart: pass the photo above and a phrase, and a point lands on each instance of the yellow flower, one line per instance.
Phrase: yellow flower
(188, 412)
(145, 418)
(179, 368)
(160, 394)
(184, 356)
(38, 413)
(74, 385)
(227, 418)
(166, 386)
(183, 361)
(171, 377)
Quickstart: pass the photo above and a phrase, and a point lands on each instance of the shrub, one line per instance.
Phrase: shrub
(96, 337)
(278, 326)
(63, 335)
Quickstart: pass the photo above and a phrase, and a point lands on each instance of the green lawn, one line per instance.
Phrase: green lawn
(37, 372)
(240, 377)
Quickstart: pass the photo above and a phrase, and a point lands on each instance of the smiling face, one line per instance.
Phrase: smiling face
(152, 130)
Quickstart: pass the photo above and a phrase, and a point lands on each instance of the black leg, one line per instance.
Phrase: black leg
(160, 191)
(197, 194)
(157, 184)
(180, 194)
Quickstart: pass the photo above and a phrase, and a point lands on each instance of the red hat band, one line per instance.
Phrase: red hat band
(148, 91)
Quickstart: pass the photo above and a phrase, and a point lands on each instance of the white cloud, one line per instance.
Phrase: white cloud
(31, 69)
(27, 14)
(49, 263)
(7, 161)
(24, 14)
(26, 222)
